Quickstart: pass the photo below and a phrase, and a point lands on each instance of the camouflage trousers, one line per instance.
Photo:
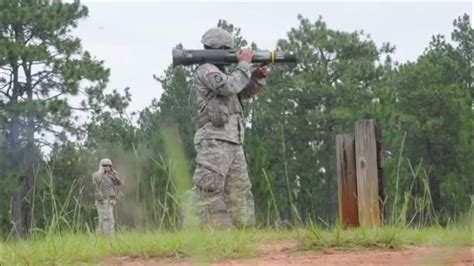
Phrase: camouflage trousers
(105, 210)
(222, 185)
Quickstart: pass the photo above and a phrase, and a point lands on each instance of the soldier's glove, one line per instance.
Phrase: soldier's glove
(260, 72)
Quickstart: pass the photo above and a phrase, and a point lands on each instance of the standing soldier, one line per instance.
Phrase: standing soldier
(106, 181)
(221, 180)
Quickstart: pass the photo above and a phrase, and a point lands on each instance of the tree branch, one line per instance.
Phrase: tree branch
(10, 84)
(55, 96)
(6, 94)
(40, 79)
(325, 65)
(44, 143)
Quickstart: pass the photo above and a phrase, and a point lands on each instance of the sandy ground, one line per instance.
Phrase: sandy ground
(283, 253)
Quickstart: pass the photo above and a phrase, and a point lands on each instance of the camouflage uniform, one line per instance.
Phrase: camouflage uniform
(106, 195)
(221, 181)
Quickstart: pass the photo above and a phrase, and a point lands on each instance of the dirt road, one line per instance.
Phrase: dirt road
(283, 253)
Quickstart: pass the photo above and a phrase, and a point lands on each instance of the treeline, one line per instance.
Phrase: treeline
(425, 109)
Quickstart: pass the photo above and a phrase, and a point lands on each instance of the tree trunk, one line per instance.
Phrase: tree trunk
(433, 182)
(30, 154)
(14, 154)
(28, 184)
(329, 209)
(18, 228)
(330, 182)
(435, 192)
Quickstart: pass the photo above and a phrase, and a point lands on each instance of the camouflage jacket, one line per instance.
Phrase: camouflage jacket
(106, 185)
(220, 114)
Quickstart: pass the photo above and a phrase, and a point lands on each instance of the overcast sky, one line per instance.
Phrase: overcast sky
(135, 39)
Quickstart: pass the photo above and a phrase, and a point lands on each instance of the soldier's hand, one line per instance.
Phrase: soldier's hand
(245, 55)
(261, 72)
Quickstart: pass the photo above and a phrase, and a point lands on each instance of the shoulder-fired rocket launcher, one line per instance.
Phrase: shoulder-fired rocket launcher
(227, 57)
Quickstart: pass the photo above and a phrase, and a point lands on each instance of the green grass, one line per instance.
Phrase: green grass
(69, 248)
(387, 237)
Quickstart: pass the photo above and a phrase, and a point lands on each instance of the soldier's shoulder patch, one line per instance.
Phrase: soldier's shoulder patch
(217, 77)
(215, 80)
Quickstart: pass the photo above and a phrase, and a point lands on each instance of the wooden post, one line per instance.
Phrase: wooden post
(367, 173)
(346, 180)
